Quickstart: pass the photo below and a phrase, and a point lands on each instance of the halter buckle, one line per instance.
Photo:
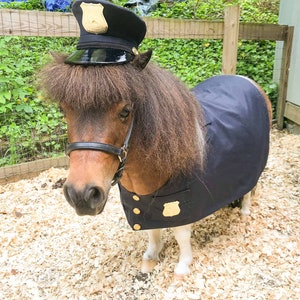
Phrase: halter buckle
(123, 155)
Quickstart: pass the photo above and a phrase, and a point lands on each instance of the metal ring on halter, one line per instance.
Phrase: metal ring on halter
(121, 153)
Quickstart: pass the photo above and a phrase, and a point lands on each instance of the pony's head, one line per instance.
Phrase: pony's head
(100, 104)
(112, 97)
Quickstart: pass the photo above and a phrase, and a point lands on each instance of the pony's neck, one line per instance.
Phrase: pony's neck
(142, 179)
(141, 176)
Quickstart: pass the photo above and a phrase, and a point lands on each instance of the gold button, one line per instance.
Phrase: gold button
(136, 226)
(136, 198)
(136, 211)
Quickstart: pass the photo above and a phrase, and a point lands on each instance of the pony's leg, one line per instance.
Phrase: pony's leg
(246, 204)
(183, 237)
(151, 256)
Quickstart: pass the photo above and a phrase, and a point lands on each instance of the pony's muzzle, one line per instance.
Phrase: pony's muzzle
(88, 201)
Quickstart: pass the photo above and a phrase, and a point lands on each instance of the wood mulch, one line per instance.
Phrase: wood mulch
(48, 252)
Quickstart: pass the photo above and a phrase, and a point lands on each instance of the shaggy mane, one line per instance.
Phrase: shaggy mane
(168, 130)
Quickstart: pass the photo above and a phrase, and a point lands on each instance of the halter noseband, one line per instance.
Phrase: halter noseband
(120, 152)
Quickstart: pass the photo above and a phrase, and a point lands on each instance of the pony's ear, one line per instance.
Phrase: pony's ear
(60, 58)
(141, 60)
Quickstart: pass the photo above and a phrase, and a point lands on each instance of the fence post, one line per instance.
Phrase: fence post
(284, 75)
(230, 39)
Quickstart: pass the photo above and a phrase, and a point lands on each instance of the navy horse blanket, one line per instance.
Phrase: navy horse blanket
(237, 124)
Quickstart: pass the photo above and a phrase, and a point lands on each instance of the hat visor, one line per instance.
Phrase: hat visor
(103, 56)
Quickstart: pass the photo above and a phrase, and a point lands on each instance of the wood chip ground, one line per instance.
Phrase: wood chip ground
(48, 252)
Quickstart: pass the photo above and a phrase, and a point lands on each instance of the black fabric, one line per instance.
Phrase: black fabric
(125, 32)
(237, 126)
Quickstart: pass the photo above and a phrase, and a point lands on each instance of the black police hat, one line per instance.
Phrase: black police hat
(109, 34)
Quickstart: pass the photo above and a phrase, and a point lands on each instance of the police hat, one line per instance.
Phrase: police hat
(109, 34)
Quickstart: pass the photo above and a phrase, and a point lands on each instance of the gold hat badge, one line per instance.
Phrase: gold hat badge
(93, 19)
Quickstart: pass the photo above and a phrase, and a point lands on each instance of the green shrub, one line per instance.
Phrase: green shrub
(28, 5)
(257, 11)
(30, 128)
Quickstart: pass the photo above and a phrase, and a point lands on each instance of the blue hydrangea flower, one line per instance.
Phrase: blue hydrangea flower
(58, 5)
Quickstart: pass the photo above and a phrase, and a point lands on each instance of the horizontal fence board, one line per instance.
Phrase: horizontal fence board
(56, 24)
(37, 23)
(255, 31)
(183, 28)
(27, 170)
(292, 112)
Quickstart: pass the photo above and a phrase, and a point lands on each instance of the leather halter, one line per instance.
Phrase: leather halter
(121, 153)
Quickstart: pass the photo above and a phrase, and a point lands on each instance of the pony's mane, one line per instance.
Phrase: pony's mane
(168, 130)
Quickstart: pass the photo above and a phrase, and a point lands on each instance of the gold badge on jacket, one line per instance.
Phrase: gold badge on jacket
(93, 19)
(171, 209)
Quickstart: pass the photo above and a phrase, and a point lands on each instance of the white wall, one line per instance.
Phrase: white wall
(290, 15)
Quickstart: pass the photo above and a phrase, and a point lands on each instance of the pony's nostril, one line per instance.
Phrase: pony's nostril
(94, 196)
(69, 194)
(87, 201)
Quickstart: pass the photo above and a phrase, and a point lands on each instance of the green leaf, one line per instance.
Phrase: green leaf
(4, 96)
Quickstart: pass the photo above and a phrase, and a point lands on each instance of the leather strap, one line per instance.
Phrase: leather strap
(93, 146)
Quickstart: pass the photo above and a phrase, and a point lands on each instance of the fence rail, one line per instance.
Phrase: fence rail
(56, 24)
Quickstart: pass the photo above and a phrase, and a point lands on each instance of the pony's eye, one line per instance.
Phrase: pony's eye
(124, 113)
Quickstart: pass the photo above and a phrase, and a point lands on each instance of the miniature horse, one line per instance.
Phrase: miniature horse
(178, 140)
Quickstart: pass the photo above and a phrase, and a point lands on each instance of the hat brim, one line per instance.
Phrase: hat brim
(103, 56)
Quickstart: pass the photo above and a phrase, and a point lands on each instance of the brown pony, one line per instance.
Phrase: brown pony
(168, 136)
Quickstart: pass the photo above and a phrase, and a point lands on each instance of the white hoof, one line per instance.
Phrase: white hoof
(245, 211)
(181, 270)
(148, 265)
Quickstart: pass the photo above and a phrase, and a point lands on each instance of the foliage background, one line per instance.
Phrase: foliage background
(31, 129)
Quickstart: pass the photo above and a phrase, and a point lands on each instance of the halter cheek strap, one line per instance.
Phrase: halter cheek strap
(121, 153)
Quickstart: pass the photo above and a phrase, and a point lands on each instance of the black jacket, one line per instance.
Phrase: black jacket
(237, 126)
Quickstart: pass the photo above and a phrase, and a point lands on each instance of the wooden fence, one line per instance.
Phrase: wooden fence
(56, 24)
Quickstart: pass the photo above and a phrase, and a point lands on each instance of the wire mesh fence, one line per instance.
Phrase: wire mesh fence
(23, 142)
